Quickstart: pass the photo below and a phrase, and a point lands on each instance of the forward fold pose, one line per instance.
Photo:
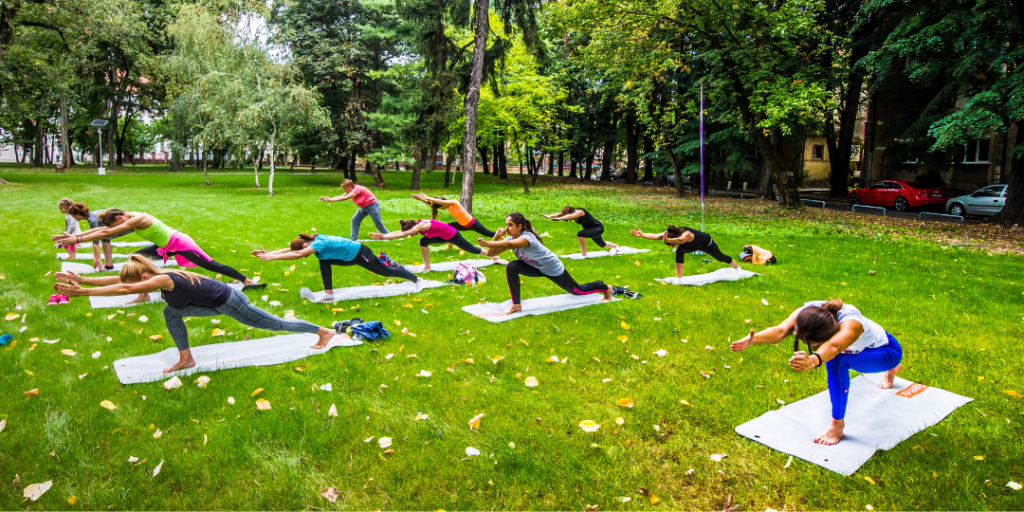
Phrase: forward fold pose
(840, 337)
(188, 295)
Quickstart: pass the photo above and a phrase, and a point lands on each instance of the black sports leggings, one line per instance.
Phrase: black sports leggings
(475, 226)
(212, 265)
(593, 234)
(711, 250)
(456, 240)
(564, 281)
(367, 260)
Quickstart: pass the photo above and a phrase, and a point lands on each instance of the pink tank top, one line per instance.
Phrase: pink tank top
(363, 197)
(438, 229)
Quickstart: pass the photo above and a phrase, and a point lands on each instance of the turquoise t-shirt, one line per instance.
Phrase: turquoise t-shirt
(335, 248)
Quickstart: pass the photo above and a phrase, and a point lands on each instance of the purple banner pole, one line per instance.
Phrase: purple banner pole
(702, 156)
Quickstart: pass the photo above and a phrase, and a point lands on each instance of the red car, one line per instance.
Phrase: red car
(898, 194)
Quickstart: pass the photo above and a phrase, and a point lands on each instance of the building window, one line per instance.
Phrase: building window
(818, 152)
(977, 151)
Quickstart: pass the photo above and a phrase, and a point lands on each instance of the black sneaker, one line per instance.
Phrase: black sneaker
(632, 295)
(618, 290)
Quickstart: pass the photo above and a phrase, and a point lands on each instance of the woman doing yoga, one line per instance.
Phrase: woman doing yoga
(592, 228)
(366, 204)
(334, 250)
(434, 232)
(187, 295)
(536, 260)
(843, 339)
(463, 220)
(80, 211)
(166, 242)
(688, 240)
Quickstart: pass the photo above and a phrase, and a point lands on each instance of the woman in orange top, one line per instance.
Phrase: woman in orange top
(463, 220)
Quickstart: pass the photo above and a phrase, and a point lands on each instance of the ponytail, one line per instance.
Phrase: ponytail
(673, 232)
(79, 210)
(111, 215)
(521, 220)
(568, 210)
(434, 207)
(300, 242)
(407, 224)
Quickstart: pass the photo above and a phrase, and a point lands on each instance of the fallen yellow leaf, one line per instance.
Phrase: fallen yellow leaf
(979, 457)
(107, 404)
(398, 322)
(262, 405)
(258, 391)
(869, 480)
(72, 500)
(156, 337)
(1013, 393)
(625, 402)
(475, 422)
(468, 360)
(589, 426)
(531, 382)
(218, 332)
(624, 325)
(622, 338)
(68, 352)
(684, 402)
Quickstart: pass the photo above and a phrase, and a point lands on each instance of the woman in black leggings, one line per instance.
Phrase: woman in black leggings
(335, 250)
(592, 228)
(688, 240)
(536, 260)
(433, 232)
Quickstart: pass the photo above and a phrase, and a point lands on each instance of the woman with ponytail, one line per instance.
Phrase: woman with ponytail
(187, 295)
(840, 337)
(687, 240)
(167, 242)
(463, 220)
(536, 260)
(592, 228)
(334, 250)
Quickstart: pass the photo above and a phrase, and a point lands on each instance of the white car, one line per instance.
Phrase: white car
(985, 201)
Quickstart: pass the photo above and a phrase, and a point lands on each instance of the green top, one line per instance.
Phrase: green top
(157, 232)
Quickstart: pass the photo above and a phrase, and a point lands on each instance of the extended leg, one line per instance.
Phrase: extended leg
(367, 260)
(374, 212)
(716, 253)
(464, 244)
(149, 251)
(179, 333)
(213, 266)
(593, 234)
(327, 275)
(239, 308)
(108, 254)
(567, 283)
(357, 220)
(680, 258)
(480, 228)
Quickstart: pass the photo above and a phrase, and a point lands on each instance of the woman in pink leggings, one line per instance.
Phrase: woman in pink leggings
(434, 232)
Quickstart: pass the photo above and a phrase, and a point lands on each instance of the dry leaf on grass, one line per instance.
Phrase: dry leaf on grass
(552, 359)
(3, 425)
(32, 392)
(107, 404)
(660, 353)
(717, 457)
(475, 422)
(157, 434)
(258, 391)
(218, 332)
(384, 442)
(625, 402)
(262, 404)
(333, 411)
(495, 359)
(684, 402)
(625, 326)
(620, 421)
(472, 452)
(589, 426)
(1013, 485)
(531, 382)
(202, 381)
(156, 337)
(420, 417)
(68, 352)
(156, 470)
(173, 383)
(622, 338)
(34, 491)
(424, 374)
(231, 400)
(330, 494)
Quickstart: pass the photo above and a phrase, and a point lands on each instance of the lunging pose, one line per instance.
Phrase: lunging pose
(187, 295)
(334, 250)
(592, 228)
(843, 339)
(166, 242)
(688, 240)
(463, 220)
(434, 232)
(80, 211)
(536, 260)
(366, 203)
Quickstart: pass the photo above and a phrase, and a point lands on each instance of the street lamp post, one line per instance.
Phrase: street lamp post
(99, 124)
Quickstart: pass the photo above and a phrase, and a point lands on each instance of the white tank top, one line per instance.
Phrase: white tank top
(873, 336)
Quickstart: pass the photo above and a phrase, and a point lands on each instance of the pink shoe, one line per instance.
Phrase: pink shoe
(54, 300)
(63, 299)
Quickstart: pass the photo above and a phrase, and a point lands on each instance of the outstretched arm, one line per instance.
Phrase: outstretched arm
(394, 235)
(495, 247)
(285, 254)
(99, 233)
(161, 282)
(71, 277)
(769, 336)
(649, 236)
(335, 199)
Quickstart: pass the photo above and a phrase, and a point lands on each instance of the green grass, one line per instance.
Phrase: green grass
(958, 314)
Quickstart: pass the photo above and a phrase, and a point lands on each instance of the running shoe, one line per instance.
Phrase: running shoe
(618, 290)
(54, 300)
(632, 295)
(63, 299)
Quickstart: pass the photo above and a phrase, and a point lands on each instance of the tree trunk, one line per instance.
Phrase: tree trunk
(551, 164)
(414, 184)
(255, 167)
(840, 146)
(606, 159)
(561, 163)
(352, 167)
(64, 142)
(632, 138)
(572, 165)
(1013, 213)
(483, 159)
(496, 162)
(205, 174)
(483, 28)
(522, 177)
(503, 167)
(764, 187)
(536, 171)
(37, 150)
(448, 168)
(122, 138)
(270, 183)
(590, 166)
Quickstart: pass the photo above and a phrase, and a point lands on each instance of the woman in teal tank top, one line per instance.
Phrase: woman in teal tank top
(166, 242)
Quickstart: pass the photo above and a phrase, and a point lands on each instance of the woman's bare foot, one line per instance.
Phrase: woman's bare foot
(607, 294)
(889, 377)
(833, 434)
(514, 308)
(326, 298)
(611, 245)
(326, 335)
(186, 361)
(143, 297)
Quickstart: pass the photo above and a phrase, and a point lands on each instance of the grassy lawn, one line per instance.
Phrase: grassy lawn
(956, 312)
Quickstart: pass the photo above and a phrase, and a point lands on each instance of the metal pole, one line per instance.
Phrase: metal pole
(702, 156)
(100, 169)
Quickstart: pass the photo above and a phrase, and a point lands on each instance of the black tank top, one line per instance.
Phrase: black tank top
(587, 221)
(209, 293)
(699, 242)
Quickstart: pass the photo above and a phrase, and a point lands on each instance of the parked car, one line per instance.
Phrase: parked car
(985, 201)
(898, 194)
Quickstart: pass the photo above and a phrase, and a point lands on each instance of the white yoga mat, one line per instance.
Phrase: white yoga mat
(722, 274)
(370, 292)
(140, 243)
(875, 419)
(121, 301)
(82, 268)
(448, 266)
(621, 250)
(223, 356)
(495, 312)
(87, 255)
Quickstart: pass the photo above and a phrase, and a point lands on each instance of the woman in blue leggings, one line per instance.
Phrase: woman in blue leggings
(843, 339)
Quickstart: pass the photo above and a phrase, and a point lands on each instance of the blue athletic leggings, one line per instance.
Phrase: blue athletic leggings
(870, 360)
